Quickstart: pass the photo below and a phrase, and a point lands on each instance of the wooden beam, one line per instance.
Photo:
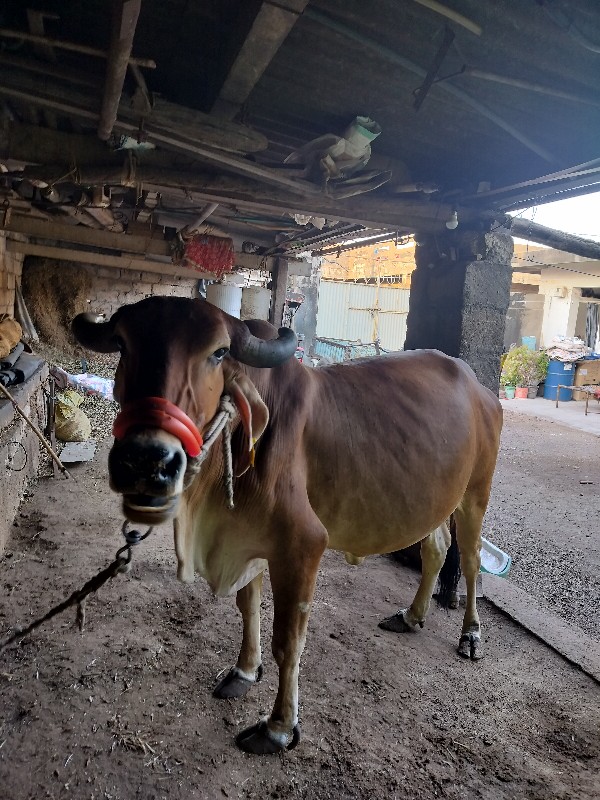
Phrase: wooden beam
(72, 46)
(77, 234)
(48, 102)
(218, 158)
(124, 22)
(170, 141)
(35, 20)
(35, 145)
(200, 127)
(122, 242)
(103, 260)
(371, 211)
(267, 33)
(568, 242)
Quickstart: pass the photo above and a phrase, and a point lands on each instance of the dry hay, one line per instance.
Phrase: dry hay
(55, 292)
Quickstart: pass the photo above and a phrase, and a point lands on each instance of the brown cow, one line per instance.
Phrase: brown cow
(366, 457)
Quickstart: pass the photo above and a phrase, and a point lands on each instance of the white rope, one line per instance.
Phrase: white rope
(221, 423)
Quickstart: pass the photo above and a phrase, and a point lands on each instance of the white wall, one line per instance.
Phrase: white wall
(560, 314)
(568, 277)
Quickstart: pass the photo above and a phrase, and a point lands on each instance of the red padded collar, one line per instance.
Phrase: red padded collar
(158, 412)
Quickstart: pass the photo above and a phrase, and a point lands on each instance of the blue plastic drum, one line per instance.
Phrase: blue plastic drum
(559, 373)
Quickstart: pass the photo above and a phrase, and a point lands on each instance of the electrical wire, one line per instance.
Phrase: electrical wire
(554, 266)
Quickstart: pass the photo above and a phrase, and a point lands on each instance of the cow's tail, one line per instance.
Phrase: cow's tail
(450, 571)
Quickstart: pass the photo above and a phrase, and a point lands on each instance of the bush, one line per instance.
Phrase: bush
(524, 367)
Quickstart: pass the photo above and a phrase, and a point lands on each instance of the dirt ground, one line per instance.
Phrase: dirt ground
(125, 710)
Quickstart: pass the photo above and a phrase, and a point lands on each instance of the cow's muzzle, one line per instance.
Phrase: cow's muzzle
(158, 412)
(148, 460)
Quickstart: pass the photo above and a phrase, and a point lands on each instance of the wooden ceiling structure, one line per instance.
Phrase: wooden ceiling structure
(124, 122)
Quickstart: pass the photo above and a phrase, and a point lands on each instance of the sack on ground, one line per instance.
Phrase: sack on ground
(71, 423)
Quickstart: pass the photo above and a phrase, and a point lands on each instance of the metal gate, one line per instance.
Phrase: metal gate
(359, 312)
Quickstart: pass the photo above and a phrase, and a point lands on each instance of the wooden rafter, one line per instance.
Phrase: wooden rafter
(100, 259)
(125, 245)
(268, 30)
(74, 47)
(124, 22)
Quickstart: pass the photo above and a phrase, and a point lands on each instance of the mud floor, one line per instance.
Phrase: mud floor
(125, 710)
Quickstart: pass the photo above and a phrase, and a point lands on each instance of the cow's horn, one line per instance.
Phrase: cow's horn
(256, 352)
(94, 333)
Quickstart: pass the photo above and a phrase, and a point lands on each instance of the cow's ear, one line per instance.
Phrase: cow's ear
(254, 416)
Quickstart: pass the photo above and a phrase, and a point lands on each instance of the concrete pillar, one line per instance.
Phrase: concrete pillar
(459, 297)
(279, 281)
(305, 320)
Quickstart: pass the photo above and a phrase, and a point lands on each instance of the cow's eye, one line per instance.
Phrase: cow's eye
(220, 354)
(120, 344)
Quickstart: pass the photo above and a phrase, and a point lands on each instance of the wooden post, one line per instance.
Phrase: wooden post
(125, 17)
(279, 289)
(49, 431)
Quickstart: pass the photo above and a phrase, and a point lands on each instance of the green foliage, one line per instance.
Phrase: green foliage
(524, 367)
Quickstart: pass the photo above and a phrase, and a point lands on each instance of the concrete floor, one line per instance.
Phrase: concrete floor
(570, 413)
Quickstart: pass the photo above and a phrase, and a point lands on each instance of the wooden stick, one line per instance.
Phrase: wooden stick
(125, 17)
(76, 48)
(37, 432)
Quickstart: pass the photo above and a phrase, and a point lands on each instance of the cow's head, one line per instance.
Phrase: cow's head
(178, 357)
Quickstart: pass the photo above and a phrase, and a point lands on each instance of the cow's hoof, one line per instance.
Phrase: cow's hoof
(234, 684)
(397, 623)
(260, 741)
(469, 646)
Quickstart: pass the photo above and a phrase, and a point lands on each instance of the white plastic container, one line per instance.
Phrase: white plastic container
(226, 297)
(493, 560)
(256, 302)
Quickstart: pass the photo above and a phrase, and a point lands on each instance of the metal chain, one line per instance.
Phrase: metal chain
(120, 564)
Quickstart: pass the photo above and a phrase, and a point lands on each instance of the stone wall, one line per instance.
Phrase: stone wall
(305, 319)
(10, 275)
(459, 298)
(19, 448)
(112, 288)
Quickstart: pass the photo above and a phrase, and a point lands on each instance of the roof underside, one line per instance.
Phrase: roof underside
(506, 93)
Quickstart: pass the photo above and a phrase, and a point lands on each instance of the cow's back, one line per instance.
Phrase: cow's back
(391, 444)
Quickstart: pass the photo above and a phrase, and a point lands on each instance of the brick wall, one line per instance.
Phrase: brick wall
(10, 274)
(112, 288)
(19, 448)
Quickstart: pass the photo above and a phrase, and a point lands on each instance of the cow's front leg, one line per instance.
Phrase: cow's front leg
(248, 669)
(293, 575)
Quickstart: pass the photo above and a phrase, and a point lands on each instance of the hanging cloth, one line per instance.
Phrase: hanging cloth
(591, 325)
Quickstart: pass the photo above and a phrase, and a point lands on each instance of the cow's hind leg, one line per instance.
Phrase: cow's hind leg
(433, 553)
(469, 518)
(248, 669)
